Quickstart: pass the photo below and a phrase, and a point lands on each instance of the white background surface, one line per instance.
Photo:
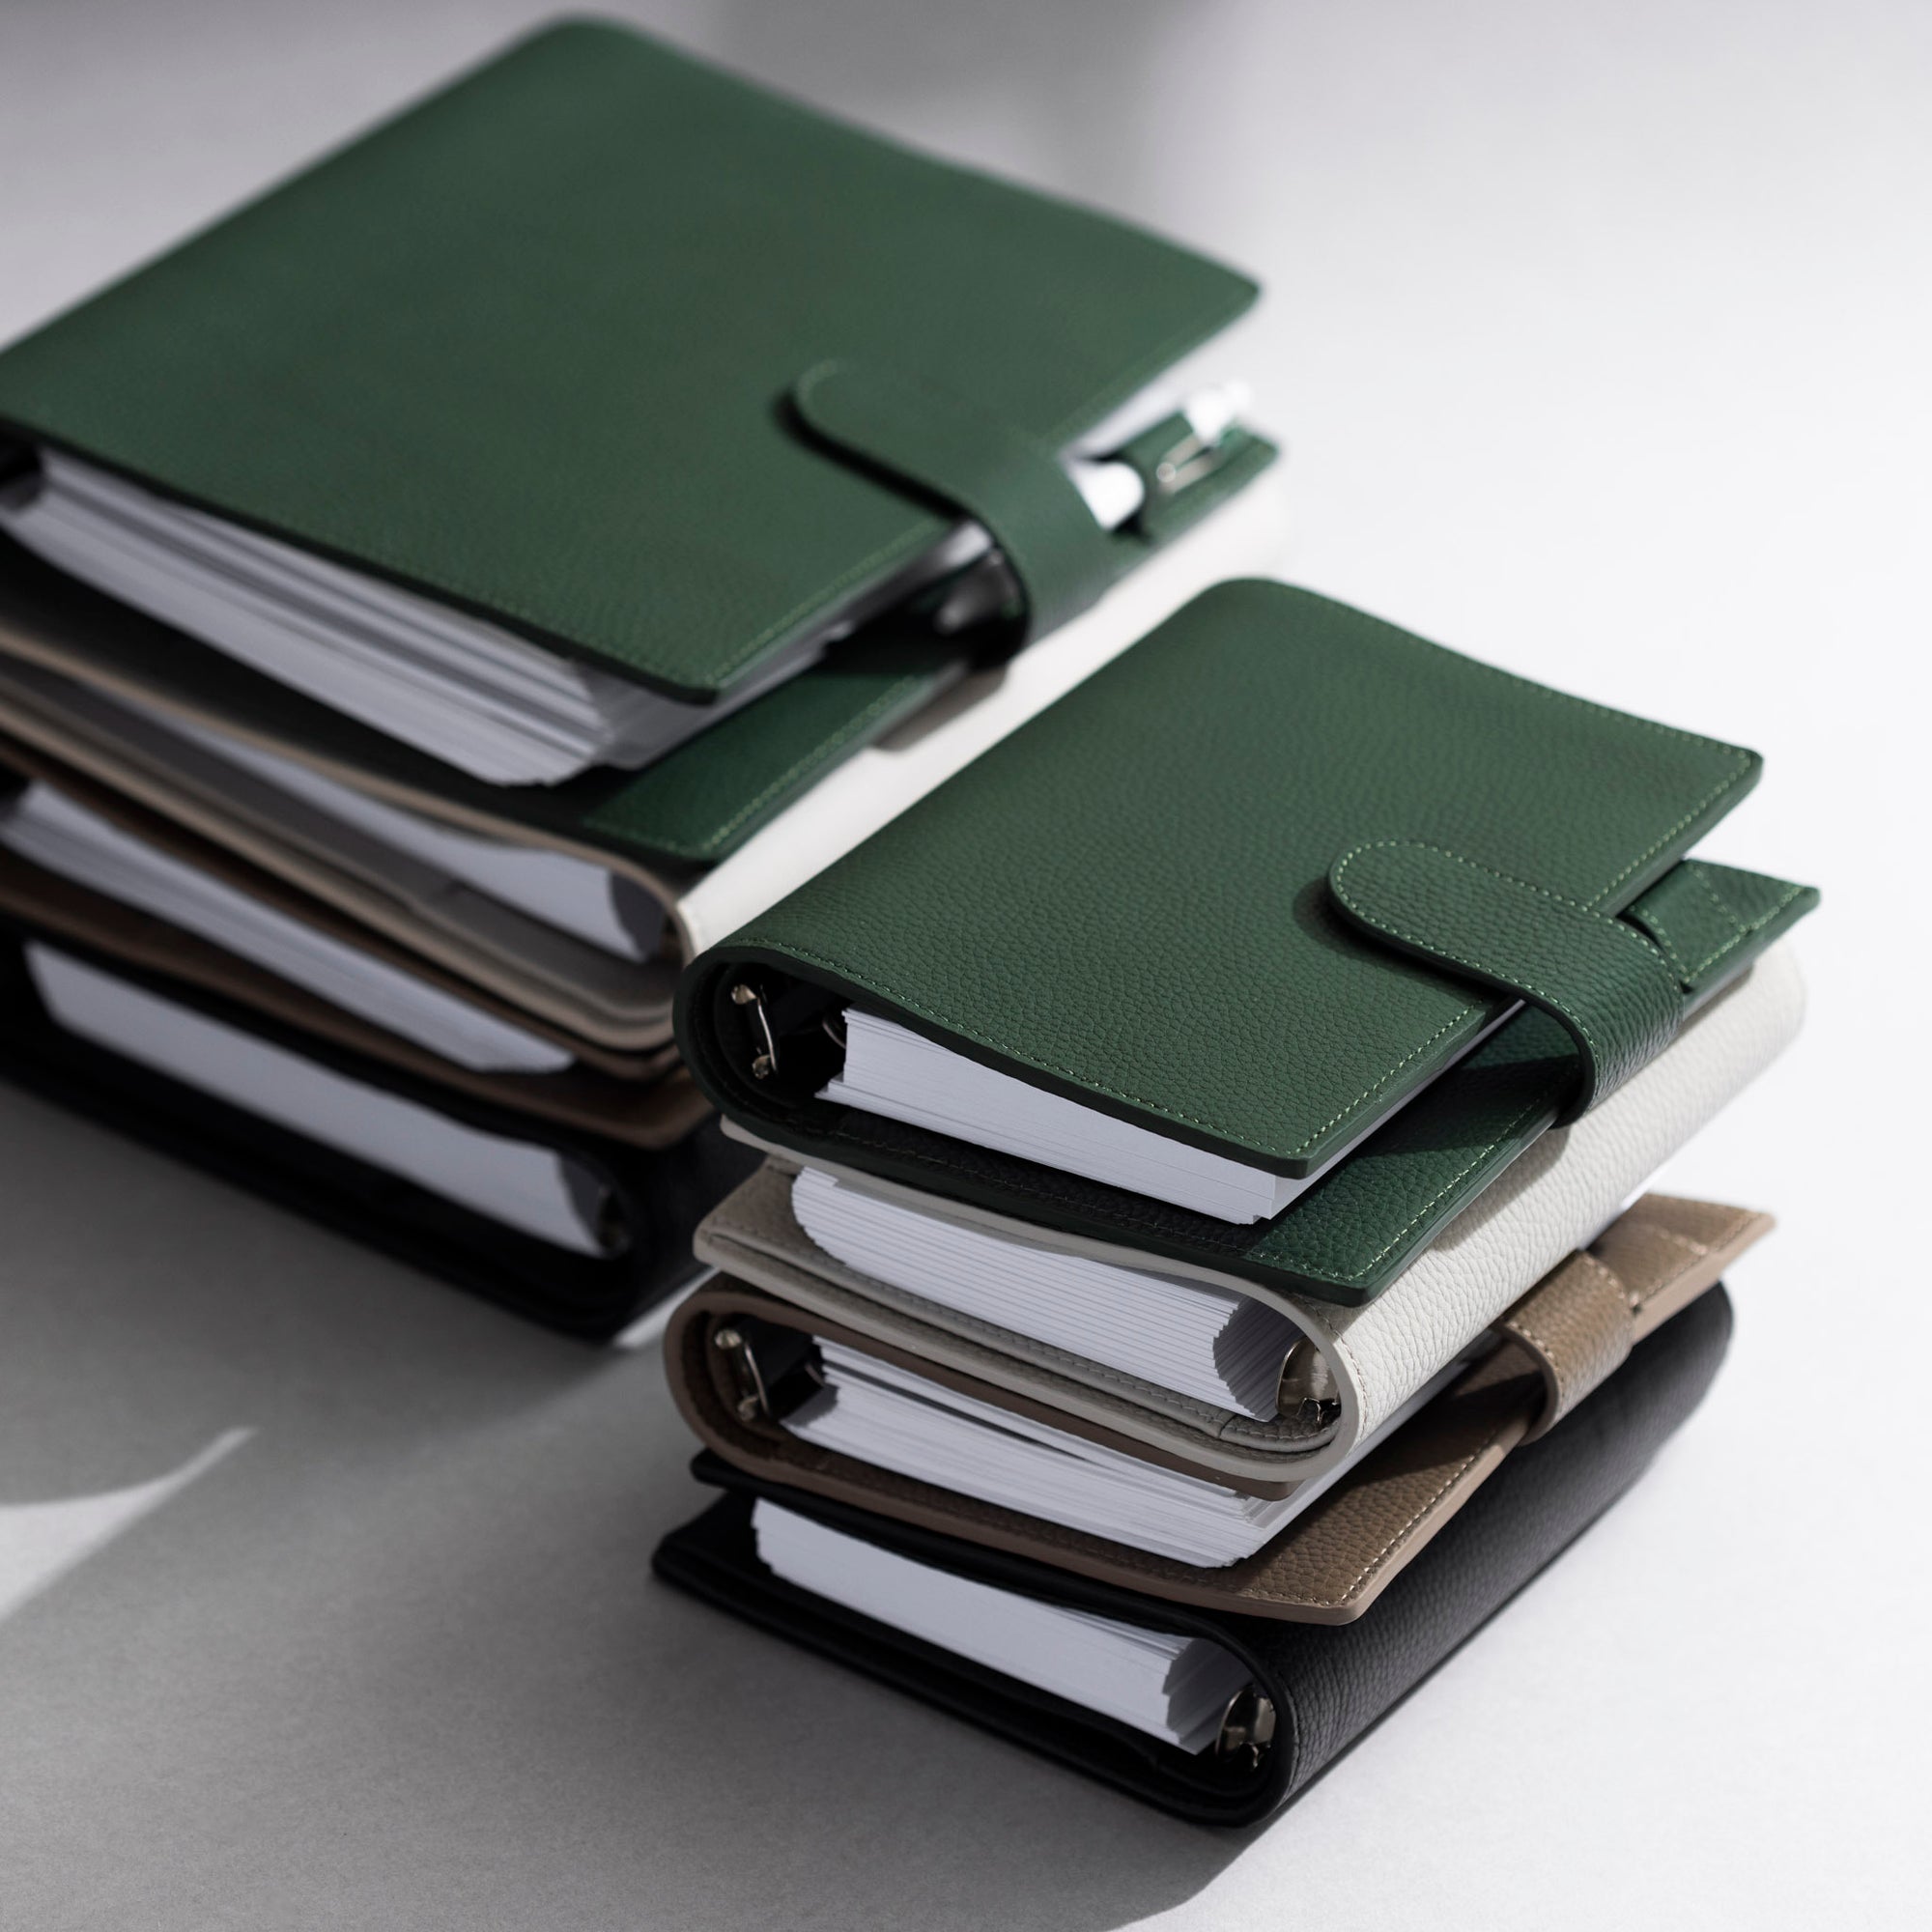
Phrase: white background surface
(1600, 337)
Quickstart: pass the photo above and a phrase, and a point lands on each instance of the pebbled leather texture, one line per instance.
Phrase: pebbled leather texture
(524, 346)
(1332, 1563)
(1355, 1231)
(1601, 979)
(1568, 1185)
(994, 472)
(763, 779)
(1126, 901)
(1524, 1223)
(1329, 1683)
(1674, 1248)
(660, 1194)
(694, 808)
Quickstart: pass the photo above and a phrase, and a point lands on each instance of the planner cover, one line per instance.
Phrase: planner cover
(1252, 887)
(1325, 1685)
(1362, 1227)
(1558, 1345)
(105, 689)
(638, 360)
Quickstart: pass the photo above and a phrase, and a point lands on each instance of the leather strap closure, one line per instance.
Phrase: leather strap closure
(972, 461)
(1581, 1319)
(1575, 1327)
(1607, 985)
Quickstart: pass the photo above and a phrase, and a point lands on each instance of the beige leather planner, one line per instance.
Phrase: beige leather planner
(1556, 1344)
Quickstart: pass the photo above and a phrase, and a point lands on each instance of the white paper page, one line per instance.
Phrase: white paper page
(457, 687)
(880, 1413)
(566, 918)
(45, 825)
(573, 894)
(531, 1188)
(494, 705)
(1173, 1687)
(1210, 1343)
(891, 1070)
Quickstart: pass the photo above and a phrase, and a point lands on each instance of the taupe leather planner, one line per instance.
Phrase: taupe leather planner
(740, 1359)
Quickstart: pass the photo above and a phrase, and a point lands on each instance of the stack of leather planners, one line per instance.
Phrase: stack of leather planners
(443, 598)
(1202, 1265)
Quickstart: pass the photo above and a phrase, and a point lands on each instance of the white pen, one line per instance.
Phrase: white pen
(1113, 491)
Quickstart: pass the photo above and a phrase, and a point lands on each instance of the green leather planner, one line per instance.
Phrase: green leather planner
(1253, 887)
(632, 358)
(689, 810)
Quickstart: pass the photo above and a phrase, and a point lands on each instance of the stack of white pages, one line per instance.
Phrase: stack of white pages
(469, 692)
(530, 1188)
(588, 902)
(565, 918)
(1221, 1348)
(61, 835)
(894, 1418)
(514, 622)
(463, 690)
(1173, 1687)
(891, 1070)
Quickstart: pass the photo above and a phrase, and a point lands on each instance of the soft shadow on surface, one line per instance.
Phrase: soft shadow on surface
(399, 1658)
(148, 1308)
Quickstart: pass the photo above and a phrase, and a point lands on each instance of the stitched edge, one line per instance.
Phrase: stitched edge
(1092, 409)
(1745, 928)
(1661, 939)
(705, 846)
(1698, 1251)
(1744, 764)
(860, 978)
(867, 1475)
(1396, 1537)
(1551, 1355)
(1435, 950)
(1745, 932)
(1037, 447)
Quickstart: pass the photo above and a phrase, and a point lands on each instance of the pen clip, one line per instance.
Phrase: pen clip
(1188, 461)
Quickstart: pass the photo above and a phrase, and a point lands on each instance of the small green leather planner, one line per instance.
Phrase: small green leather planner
(631, 358)
(1253, 885)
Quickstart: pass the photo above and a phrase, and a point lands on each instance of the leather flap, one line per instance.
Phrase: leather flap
(1605, 983)
(998, 474)
(1708, 920)
(1575, 1325)
(1578, 1324)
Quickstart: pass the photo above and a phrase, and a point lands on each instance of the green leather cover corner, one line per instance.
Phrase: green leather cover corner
(530, 347)
(1129, 901)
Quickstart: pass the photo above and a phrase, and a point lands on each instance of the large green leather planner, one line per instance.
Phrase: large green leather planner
(632, 358)
(1253, 887)
(654, 381)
